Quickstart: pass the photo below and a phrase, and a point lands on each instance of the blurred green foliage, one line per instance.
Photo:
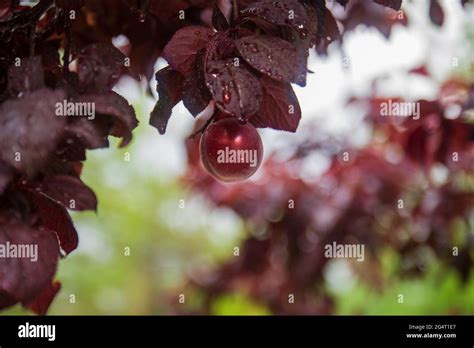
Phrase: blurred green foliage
(237, 304)
(439, 291)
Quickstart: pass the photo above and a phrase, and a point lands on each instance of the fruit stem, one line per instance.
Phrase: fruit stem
(203, 128)
(235, 13)
(31, 37)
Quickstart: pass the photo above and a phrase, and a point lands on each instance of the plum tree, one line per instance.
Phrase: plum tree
(242, 59)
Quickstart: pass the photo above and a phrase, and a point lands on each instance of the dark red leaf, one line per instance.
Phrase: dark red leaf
(373, 15)
(71, 150)
(456, 139)
(22, 279)
(395, 4)
(30, 130)
(89, 133)
(170, 10)
(279, 100)
(330, 31)
(196, 96)
(221, 47)
(68, 5)
(219, 22)
(142, 59)
(283, 13)
(436, 13)
(99, 67)
(114, 105)
(58, 166)
(6, 299)
(6, 175)
(264, 26)
(425, 139)
(169, 87)
(5, 8)
(343, 3)
(27, 77)
(41, 303)
(422, 145)
(235, 89)
(181, 50)
(55, 217)
(70, 191)
(310, 38)
(274, 57)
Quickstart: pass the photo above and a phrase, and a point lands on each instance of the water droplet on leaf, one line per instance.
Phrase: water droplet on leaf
(303, 33)
(226, 96)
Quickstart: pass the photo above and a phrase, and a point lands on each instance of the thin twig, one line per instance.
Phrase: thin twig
(67, 45)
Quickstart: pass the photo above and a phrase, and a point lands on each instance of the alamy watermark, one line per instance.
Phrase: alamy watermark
(28, 330)
(400, 109)
(237, 156)
(345, 251)
(81, 109)
(19, 251)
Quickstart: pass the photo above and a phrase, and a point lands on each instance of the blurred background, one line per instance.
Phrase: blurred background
(155, 237)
